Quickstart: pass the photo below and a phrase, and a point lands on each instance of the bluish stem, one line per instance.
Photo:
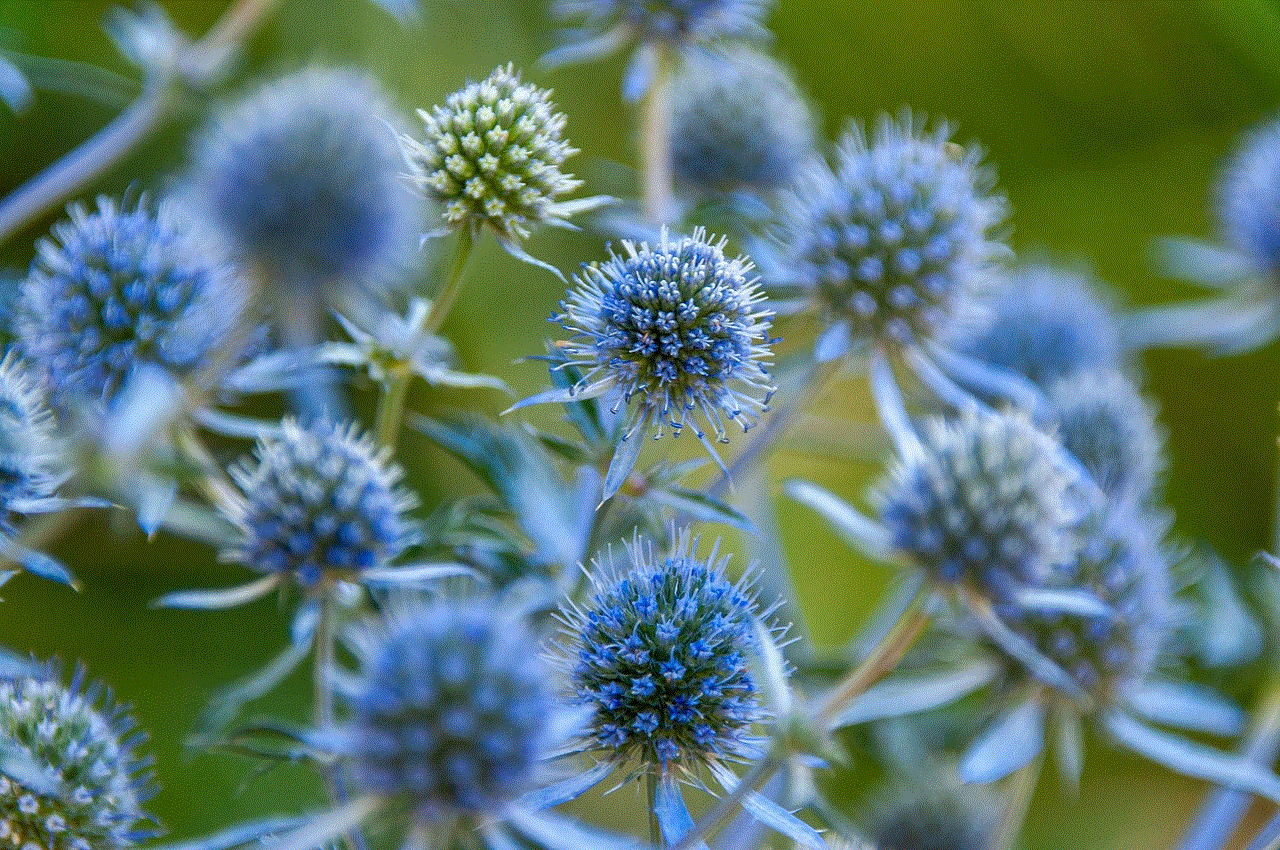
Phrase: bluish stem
(655, 143)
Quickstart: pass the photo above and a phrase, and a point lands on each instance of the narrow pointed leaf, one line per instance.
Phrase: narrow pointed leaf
(1069, 746)
(1010, 744)
(624, 460)
(833, 343)
(228, 597)
(37, 563)
(17, 765)
(770, 813)
(563, 395)
(560, 833)
(566, 789)
(513, 248)
(323, 828)
(16, 667)
(227, 702)
(231, 425)
(673, 815)
(15, 90)
(1188, 706)
(701, 507)
(1194, 261)
(1062, 600)
(239, 835)
(1040, 666)
(909, 694)
(414, 575)
(859, 531)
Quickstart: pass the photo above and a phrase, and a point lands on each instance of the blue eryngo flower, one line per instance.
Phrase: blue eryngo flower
(319, 501)
(492, 154)
(453, 710)
(30, 460)
(738, 121)
(114, 289)
(988, 501)
(896, 240)
(1043, 323)
(660, 652)
(303, 180)
(82, 785)
(603, 26)
(680, 329)
(1106, 424)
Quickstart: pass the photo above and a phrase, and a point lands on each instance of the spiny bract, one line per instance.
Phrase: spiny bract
(681, 326)
(1248, 197)
(304, 178)
(1044, 324)
(738, 120)
(492, 155)
(319, 500)
(452, 710)
(660, 652)
(87, 749)
(1106, 425)
(989, 500)
(898, 237)
(114, 288)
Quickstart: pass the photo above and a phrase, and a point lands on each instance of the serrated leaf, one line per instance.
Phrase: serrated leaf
(1008, 745)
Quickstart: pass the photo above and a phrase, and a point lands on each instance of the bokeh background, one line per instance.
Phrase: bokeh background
(1107, 122)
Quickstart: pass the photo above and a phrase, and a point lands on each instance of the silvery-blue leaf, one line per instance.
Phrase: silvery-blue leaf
(770, 813)
(78, 79)
(436, 375)
(624, 460)
(910, 693)
(416, 575)
(1190, 758)
(154, 502)
(891, 407)
(564, 395)
(233, 425)
(990, 380)
(226, 703)
(198, 522)
(673, 815)
(640, 73)
(859, 531)
(566, 789)
(342, 353)
(560, 833)
(1228, 633)
(239, 835)
(145, 36)
(903, 592)
(16, 764)
(1069, 746)
(1009, 744)
(15, 667)
(948, 391)
(15, 90)
(1063, 600)
(1226, 325)
(36, 563)
(403, 11)
(318, 830)
(228, 597)
(1195, 261)
(583, 49)
(513, 248)
(1184, 705)
(833, 343)
(1040, 666)
(701, 507)
(276, 370)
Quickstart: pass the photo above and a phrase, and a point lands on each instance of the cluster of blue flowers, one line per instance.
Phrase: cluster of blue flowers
(478, 667)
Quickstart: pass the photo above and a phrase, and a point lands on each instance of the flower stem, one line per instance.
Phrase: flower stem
(655, 831)
(655, 143)
(1017, 804)
(322, 710)
(396, 388)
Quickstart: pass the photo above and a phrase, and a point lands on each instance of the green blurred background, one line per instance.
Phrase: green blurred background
(1107, 123)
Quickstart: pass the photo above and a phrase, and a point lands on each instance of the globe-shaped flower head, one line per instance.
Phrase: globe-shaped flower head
(660, 652)
(29, 460)
(319, 500)
(738, 120)
(303, 179)
(1044, 324)
(113, 289)
(94, 784)
(988, 500)
(453, 709)
(671, 21)
(679, 327)
(492, 155)
(898, 238)
(1249, 199)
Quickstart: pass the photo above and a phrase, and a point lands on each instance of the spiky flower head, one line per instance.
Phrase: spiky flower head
(678, 326)
(452, 710)
(493, 155)
(898, 237)
(1107, 425)
(319, 500)
(84, 745)
(1043, 323)
(738, 120)
(660, 653)
(29, 459)
(988, 500)
(605, 25)
(1249, 198)
(1121, 565)
(303, 178)
(113, 289)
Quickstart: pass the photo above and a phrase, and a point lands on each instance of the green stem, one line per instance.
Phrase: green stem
(396, 388)
(655, 830)
(655, 144)
(1017, 804)
(322, 710)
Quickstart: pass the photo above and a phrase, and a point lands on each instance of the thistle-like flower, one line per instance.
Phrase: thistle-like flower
(303, 180)
(1044, 324)
(680, 329)
(319, 501)
(112, 290)
(1107, 425)
(897, 239)
(660, 652)
(989, 500)
(738, 121)
(81, 749)
(452, 711)
(493, 155)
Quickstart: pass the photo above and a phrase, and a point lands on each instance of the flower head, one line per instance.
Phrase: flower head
(113, 289)
(1044, 324)
(85, 747)
(738, 120)
(303, 178)
(492, 155)
(1106, 425)
(989, 500)
(1248, 197)
(29, 460)
(319, 500)
(679, 327)
(452, 708)
(898, 237)
(660, 652)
